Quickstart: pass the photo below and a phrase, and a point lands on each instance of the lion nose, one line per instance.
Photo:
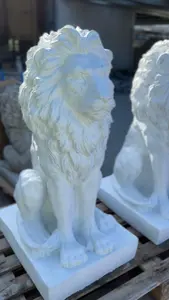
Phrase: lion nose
(103, 87)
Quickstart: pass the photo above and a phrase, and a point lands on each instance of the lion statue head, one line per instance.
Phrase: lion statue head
(150, 92)
(67, 76)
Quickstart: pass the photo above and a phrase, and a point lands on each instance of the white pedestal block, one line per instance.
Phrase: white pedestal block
(55, 282)
(151, 224)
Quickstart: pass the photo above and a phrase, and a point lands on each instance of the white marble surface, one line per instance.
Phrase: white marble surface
(49, 276)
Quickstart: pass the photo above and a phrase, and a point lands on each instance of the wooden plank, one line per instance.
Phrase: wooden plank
(2, 259)
(4, 245)
(102, 207)
(119, 220)
(145, 252)
(6, 187)
(9, 263)
(20, 284)
(142, 284)
(161, 292)
(20, 298)
(150, 264)
(1, 235)
(134, 231)
(16, 287)
(5, 281)
(148, 251)
(157, 293)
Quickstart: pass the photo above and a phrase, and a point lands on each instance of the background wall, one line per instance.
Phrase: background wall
(115, 26)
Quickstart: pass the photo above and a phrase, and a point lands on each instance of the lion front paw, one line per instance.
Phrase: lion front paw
(72, 254)
(102, 244)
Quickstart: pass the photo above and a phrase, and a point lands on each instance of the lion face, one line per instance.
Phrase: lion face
(86, 80)
(67, 79)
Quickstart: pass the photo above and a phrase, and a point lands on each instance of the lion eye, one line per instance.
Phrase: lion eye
(77, 84)
(83, 75)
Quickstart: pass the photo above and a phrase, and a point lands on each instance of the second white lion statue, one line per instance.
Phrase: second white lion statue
(142, 166)
(66, 100)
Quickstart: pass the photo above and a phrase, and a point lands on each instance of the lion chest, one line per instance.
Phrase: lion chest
(75, 162)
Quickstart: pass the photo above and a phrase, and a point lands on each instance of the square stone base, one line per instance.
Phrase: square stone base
(55, 282)
(150, 224)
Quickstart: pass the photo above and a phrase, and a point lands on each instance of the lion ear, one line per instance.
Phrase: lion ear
(109, 54)
(39, 56)
(159, 90)
(163, 63)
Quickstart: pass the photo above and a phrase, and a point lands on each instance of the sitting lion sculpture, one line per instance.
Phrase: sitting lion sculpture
(66, 100)
(142, 166)
(16, 154)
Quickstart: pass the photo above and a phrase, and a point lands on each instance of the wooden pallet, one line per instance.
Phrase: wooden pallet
(149, 269)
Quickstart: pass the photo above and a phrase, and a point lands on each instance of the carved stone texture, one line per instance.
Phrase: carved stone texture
(141, 170)
(16, 154)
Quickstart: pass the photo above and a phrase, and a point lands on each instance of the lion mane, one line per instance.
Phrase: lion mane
(76, 140)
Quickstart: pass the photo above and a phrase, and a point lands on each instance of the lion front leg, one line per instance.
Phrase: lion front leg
(159, 162)
(29, 194)
(62, 197)
(129, 162)
(86, 227)
(128, 168)
(105, 222)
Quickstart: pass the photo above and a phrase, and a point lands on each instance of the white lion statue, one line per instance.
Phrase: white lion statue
(142, 166)
(66, 100)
